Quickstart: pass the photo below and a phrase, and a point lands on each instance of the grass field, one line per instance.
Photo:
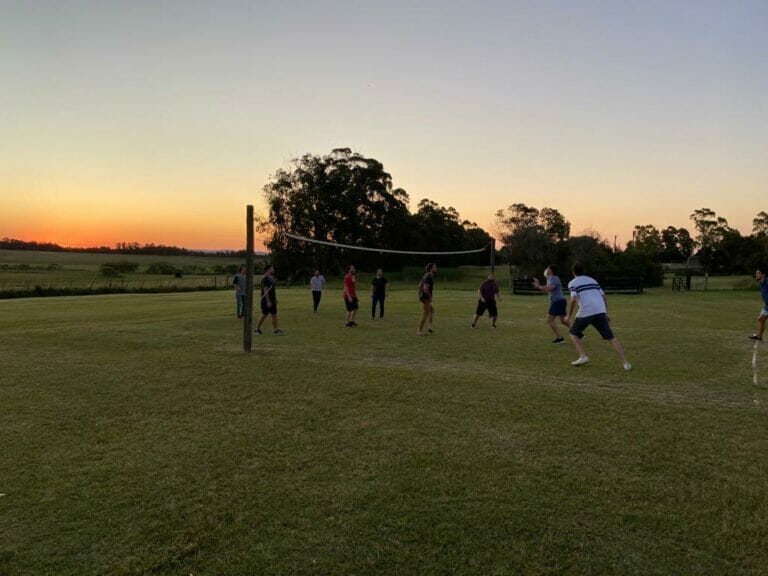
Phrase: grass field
(138, 438)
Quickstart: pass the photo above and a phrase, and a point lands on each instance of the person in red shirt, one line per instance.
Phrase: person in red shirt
(488, 295)
(350, 296)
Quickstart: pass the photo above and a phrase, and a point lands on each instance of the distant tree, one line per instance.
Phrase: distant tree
(760, 225)
(647, 240)
(711, 229)
(677, 244)
(533, 238)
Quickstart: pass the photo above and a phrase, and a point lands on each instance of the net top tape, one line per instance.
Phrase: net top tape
(336, 245)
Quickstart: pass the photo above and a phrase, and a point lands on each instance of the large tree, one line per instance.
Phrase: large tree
(532, 238)
(342, 197)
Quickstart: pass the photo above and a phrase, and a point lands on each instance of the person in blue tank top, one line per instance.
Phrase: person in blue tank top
(762, 281)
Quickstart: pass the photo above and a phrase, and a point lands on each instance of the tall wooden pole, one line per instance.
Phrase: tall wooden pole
(493, 255)
(248, 323)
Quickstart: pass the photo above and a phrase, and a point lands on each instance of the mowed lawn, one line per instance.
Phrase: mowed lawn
(138, 438)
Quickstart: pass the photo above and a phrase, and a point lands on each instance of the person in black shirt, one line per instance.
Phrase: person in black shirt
(379, 289)
(268, 300)
(426, 289)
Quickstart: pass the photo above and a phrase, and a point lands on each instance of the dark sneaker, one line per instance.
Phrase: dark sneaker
(349, 325)
(279, 332)
(353, 323)
(258, 332)
(756, 337)
(430, 330)
(473, 324)
(559, 340)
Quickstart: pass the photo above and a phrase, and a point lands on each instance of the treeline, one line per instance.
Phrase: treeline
(346, 198)
(119, 248)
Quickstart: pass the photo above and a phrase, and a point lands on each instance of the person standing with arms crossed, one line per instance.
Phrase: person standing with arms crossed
(268, 301)
(426, 293)
(316, 284)
(488, 294)
(592, 310)
(762, 281)
(557, 302)
(350, 296)
(379, 292)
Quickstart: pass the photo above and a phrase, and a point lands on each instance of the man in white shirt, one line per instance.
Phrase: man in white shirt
(316, 284)
(592, 310)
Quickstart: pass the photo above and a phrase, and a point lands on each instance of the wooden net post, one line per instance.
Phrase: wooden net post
(248, 320)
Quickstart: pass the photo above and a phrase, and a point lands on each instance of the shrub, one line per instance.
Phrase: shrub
(161, 268)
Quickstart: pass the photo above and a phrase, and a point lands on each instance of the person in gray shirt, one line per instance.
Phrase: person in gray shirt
(239, 283)
(316, 284)
(557, 303)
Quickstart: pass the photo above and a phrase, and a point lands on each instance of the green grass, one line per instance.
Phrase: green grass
(138, 438)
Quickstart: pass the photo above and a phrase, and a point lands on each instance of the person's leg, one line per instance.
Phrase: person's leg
(424, 313)
(553, 326)
(381, 307)
(564, 322)
(576, 333)
(761, 325)
(315, 300)
(240, 305)
(261, 321)
(620, 351)
(373, 307)
(274, 322)
(430, 316)
(493, 321)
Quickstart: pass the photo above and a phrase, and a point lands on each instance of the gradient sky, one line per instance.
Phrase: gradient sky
(154, 121)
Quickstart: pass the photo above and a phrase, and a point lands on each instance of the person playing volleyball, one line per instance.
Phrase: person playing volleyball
(426, 291)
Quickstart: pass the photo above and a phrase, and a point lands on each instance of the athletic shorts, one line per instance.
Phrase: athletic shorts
(267, 310)
(489, 305)
(351, 304)
(558, 307)
(599, 321)
(424, 298)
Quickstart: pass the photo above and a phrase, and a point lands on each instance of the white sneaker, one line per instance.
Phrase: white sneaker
(627, 366)
(580, 361)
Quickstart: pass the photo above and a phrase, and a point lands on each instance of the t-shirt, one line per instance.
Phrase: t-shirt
(239, 282)
(349, 285)
(587, 292)
(557, 289)
(488, 290)
(268, 286)
(764, 290)
(317, 283)
(379, 286)
(427, 285)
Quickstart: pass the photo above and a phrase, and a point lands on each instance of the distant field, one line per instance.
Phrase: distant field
(138, 438)
(75, 270)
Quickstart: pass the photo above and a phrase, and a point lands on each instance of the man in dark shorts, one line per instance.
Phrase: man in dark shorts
(426, 292)
(557, 302)
(488, 294)
(379, 289)
(592, 310)
(268, 301)
(350, 296)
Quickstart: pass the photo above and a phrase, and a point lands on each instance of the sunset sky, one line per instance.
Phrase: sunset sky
(158, 121)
